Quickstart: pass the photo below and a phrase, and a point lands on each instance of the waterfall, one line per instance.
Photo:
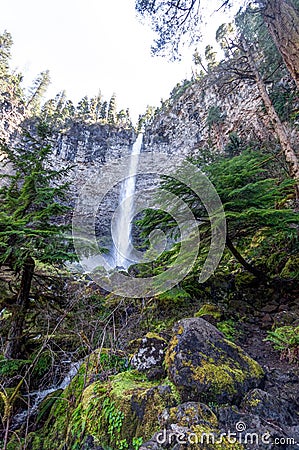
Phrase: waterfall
(123, 229)
(38, 396)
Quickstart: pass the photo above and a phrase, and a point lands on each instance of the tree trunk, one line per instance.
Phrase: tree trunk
(257, 273)
(14, 341)
(282, 20)
(289, 153)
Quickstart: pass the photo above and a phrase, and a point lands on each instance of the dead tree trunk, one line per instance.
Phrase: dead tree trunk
(282, 20)
(279, 128)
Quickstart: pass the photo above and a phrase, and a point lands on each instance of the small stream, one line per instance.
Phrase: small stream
(36, 397)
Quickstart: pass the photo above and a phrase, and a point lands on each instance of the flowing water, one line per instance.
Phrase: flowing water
(123, 229)
(35, 398)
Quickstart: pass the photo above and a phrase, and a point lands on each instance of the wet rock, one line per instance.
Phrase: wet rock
(207, 367)
(269, 407)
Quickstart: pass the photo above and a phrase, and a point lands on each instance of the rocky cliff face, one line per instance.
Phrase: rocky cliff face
(206, 114)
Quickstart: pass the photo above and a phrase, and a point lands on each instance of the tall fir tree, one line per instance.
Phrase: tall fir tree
(33, 201)
(112, 110)
(37, 91)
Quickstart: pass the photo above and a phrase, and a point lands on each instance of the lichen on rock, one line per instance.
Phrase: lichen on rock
(207, 367)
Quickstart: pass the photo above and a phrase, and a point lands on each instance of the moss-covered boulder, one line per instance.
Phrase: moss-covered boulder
(207, 367)
(117, 413)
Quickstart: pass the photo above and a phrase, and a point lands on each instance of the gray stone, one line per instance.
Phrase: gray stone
(206, 367)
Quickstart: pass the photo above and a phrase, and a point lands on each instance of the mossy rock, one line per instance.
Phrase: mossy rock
(111, 413)
(45, 407)
(149, 355)
(206, 367)
(291, 268)
(189, 414)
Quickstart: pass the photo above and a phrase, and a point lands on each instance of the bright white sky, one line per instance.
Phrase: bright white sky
(89, 45)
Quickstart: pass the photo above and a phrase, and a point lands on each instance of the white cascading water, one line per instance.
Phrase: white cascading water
(38, 396)
(122, 235)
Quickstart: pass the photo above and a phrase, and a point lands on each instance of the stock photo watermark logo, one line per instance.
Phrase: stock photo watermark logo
(153, 197)
(239, 435)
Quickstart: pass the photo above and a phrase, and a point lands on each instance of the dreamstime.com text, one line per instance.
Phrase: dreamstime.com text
(240, 436)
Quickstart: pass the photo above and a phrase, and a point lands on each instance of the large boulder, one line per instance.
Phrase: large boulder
(206, 367)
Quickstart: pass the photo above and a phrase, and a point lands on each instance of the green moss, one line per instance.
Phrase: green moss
(152, 335)
(254, 370)
(221, 377)
(209, 310)
(170, 353)
(228, 328)
(193, 412)
(291, 268)
(12, 367)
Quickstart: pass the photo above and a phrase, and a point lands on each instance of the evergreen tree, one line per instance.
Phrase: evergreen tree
(210, 56)
(9, 82)
(255, 203)
(33, 199)
(5, 53)
(37, 91)
(83, 109)
(112, 110)
(95, 107)
(103, 112)
(175, 21)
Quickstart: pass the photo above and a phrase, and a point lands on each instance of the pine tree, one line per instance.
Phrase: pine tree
(37, 91)
(112, 110)
(177, 21)
(103, 112)
(9, 82)
(5, 53)
(33, 198)
(83, 109)
(255, 203)
(95, 107)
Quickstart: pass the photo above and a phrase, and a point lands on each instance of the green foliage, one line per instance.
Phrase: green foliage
(112, 110)
(12, 367)
(172, 22)
(43, 364)
(137, 442)
(254, 201)
(114, 419)
(284, 337)
(175, 296)
(32, 198)
(111, 361)
(9, 82)
(209, 310)
(228, 328)
(37, 91)
(215, 116)
(286, 340)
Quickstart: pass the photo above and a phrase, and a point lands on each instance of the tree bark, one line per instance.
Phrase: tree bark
(282, 20)
(289, 153)
(257, 273)
(14, 340)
